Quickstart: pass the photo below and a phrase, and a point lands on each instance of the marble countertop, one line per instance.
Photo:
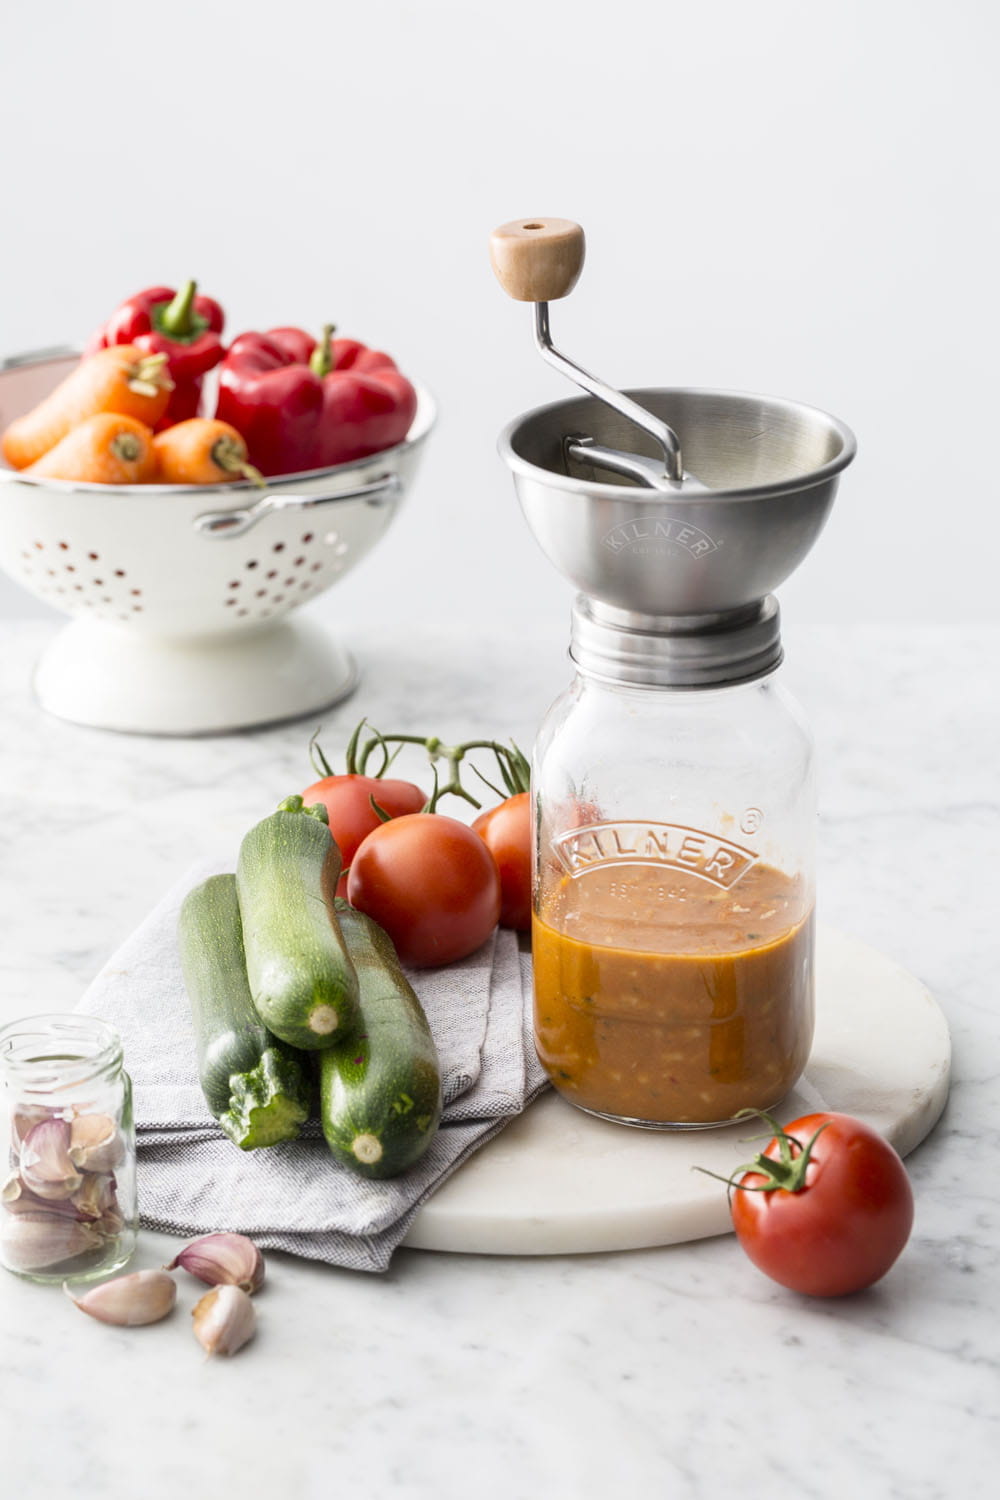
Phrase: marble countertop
(679, 1372)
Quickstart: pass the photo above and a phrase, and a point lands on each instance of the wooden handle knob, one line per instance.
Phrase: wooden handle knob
(537, 260)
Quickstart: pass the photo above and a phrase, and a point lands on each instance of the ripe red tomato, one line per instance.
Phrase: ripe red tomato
(431, 883)
(845, 1226)
(352, 818)
(506, 832)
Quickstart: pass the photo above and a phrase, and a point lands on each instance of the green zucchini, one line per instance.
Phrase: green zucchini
(380, 1093)
(301, 977)
(254, 1085)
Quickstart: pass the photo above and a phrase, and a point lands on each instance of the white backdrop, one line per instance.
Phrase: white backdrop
(796, 198)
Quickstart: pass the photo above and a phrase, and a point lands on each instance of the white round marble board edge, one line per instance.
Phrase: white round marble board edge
(557, 1181)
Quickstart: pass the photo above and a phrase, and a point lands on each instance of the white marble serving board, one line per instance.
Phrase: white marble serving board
(559, 1181)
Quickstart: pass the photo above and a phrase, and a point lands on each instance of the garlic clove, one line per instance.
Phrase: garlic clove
(223, 1260)
(13, 1191)
(224, 1320)
(25, 1117)
(18, 1199)
(37, 1242)
(110, 1223)
(130, 1301)
(46, 1168)
(94, 1196)
(95, 1143)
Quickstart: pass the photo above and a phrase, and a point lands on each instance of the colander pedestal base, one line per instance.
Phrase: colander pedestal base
(109, 678)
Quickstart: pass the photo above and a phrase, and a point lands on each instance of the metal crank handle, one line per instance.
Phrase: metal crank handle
(540, 260)
(583, 450)
(227, 523)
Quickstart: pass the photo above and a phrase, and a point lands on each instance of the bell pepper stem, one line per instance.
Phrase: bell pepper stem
(177, 318)
(321, 361)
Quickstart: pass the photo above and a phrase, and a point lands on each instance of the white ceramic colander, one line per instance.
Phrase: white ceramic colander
(182, 597)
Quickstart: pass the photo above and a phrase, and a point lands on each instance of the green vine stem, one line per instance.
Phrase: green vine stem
(514, 769)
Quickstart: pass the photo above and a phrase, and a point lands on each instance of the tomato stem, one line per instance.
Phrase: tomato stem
(318, 760)
(788, 1172)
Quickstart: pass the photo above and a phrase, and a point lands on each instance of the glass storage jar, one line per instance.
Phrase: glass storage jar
(68, 1210)
(672, 940)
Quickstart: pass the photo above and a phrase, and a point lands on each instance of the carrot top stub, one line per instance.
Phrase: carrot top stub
(123, 380)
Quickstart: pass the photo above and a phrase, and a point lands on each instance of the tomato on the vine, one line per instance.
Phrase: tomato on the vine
(348, 802)
(506, 832)
(431, 882)
(826, 1208)
(348, 795)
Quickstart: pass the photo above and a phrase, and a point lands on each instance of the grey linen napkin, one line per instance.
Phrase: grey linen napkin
(295, 1197)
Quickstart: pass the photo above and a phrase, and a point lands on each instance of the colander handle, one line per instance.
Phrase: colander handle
(227, 523)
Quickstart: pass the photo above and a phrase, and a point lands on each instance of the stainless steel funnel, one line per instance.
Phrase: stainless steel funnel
(768, 469)
(676, 511)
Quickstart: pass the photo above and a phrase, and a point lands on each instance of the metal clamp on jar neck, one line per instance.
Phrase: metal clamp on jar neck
(679, 651)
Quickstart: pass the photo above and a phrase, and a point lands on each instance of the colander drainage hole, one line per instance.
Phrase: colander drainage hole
(252, 563)
(119, 572)
(307, 539)
(63, 546)
(330, 538)
(315, 567)
(273, 573)
(278, 547)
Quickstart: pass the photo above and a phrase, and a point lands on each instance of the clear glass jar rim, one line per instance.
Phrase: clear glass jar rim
(86, 1047)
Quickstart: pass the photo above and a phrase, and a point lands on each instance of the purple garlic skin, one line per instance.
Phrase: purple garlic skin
(223, 1260)
(47, 1169)
(130, 1301)
(37, 1242)
(19, 1199)
(224, 1320)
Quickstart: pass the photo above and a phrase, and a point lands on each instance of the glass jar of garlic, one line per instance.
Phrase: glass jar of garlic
(68, 1210)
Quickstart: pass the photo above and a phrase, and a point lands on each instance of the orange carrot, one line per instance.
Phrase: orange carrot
(122, 379)
(202, 450)
(105, 449)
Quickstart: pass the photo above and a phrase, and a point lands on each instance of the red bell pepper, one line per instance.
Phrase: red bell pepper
(303, 405)
(181, 325)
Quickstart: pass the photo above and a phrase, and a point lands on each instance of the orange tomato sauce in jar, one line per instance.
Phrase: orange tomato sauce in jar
(661, 999)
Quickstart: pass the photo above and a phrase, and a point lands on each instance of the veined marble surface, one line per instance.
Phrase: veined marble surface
(679, 1373)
